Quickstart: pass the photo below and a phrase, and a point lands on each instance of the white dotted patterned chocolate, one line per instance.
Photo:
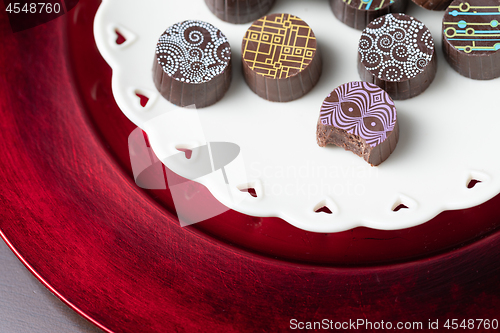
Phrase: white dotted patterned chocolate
(195, 54)
(397, 48)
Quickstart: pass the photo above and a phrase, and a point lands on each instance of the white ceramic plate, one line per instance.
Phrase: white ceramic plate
(448, 135)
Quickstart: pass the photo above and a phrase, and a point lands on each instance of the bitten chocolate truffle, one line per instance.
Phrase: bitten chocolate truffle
(433, 4)
(471, 38)
(358, 13)
(396, 52)
(362, 118)
(280, 58)
(193, 64)
(239, 11)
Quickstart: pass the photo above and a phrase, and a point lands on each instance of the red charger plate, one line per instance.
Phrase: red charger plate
(116, 254)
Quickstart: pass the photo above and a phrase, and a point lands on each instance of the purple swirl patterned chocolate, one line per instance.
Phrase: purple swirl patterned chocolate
(362, 118)
(396, 52)
(193, 64)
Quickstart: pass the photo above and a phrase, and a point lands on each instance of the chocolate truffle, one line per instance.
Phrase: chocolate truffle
(396, 52)
(471, 38)
(239, 11)
(433, 4)
(360, 117)
(280, 58)
(193, 64)
(358, 13)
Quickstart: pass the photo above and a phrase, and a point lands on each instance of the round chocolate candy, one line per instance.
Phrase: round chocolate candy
(471, 38)
(280, 58)
(362, 118)
(396, 52)
(239, 11)
(193, 64)
(433, 4)
(358, 13)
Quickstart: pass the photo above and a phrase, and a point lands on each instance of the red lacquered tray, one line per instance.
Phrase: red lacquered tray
(116, 254)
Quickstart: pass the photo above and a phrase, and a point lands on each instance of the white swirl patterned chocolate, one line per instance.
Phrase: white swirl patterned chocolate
(362, 109)
(396, 47)
(193, 51)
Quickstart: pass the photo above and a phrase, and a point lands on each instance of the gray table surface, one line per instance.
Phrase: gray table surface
(26, 306)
